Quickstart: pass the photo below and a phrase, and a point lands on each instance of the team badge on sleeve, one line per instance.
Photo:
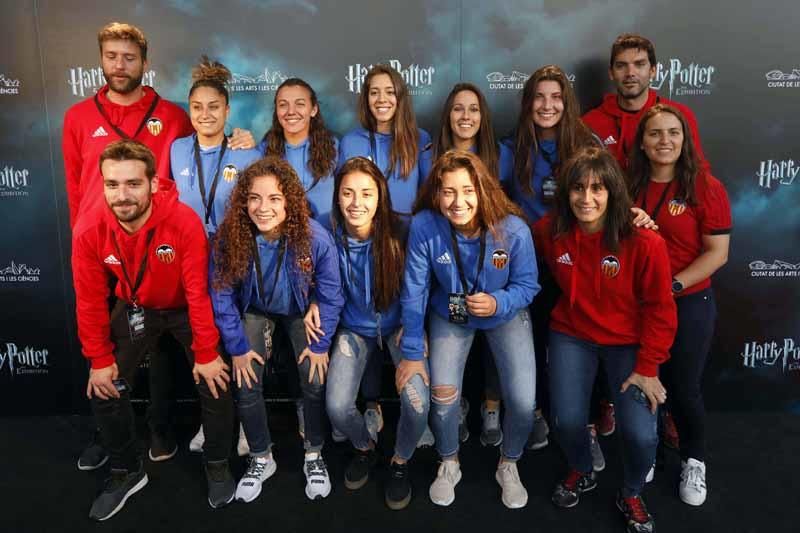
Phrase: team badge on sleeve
(499, 259)
(230, 173)
(165, 253)
(154, 126)
(610, 266)
(676, 207)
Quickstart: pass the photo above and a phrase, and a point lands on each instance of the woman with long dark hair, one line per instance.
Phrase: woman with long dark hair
(269, 260)
(616, 307)
(692, 211)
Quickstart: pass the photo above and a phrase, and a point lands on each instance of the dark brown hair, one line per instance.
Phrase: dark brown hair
(127, 150)
(388, 247)
(211, 74)
(405, 137)
(120, 31)
(485, 143)
(626, 41)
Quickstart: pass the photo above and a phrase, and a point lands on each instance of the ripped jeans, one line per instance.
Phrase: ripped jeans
(512, 348)
(350, 354)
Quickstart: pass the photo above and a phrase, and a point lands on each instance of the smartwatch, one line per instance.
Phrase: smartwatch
(677, 286)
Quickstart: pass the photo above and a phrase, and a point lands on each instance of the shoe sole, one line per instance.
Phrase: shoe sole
(317, 496)
(270, 472)
(607, 433)
(357, 484)
(224, 503)
(398, 505)
(136, 488)
(89, 468)
(161, 458)
(445, 503)
(503, 497)
(539, 445)
(195, 449)
(485, 442)
(599, 468)
(560, 506)
(693, 504)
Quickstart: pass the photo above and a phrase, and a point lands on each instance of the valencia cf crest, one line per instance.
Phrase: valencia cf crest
(165, 253)
(610, 266)
(230, 173)
(305, 265)
(154, 126)
(676, 207)
(499, 259)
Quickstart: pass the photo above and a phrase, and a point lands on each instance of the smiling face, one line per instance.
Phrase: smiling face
(465, 118)
(123, 66)
(295, 109)
(458, 200)
(588, 199)
(548, 108)
(382, 101)
(208, 112)
(358, 202)
(631, 72)
(128, 191)
(663, 139)
(266, 206)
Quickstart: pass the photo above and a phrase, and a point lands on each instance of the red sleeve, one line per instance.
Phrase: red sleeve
(715, 208)
(73, 163)
(659, 320)
(186, 124)
(194, 271)
(91, 302)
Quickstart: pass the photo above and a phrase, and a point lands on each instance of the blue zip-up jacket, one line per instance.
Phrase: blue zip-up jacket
(359, 313)
(402, 191)
(184, 172)
(231, 303)
(533, 206)
(319, 196)
(509, 274)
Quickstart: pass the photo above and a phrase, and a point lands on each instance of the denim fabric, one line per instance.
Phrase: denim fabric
(351, 355)
(573, 367)
(511, 344)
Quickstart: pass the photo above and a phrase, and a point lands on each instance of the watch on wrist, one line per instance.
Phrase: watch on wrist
(677, 286)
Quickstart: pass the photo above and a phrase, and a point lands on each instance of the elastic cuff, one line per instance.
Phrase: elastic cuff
(647, 369)
(103, 361)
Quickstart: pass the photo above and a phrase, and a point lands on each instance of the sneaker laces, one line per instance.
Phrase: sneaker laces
(448, 469)
(255, 468)
(693, 477)
(397, 470)
(317, 467)
(636, 509)
(509, 472)
(216, 471)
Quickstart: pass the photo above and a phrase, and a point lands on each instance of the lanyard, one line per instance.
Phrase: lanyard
(459, 266)
(550, 162)
(278, 266)
(141, 124)
(134, 287)
(208, 205)
(660, 200)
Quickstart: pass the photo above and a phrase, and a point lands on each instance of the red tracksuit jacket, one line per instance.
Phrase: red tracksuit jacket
(176, 275)
(87, 133)
(617, 127)
(612, 298)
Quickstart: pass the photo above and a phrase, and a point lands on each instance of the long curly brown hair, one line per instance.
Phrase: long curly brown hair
(320, 139)
(233, 244)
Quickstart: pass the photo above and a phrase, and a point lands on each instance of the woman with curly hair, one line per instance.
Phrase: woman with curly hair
(269, 260)
(470, 265)
(298, 134)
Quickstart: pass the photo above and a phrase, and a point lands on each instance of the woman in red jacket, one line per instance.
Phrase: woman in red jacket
(692, 211)
(616, 306)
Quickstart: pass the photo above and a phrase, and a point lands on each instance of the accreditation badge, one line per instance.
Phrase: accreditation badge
(549, 189)
(269, 329)
(457, 308)
(136, 322)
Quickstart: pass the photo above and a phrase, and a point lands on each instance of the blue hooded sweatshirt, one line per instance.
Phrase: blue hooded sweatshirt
(509, 274)
(402, 191)
(186, 176)
(533, 206)
(325, 289)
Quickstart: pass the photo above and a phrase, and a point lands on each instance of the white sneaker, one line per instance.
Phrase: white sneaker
(337, 435)
(196, 444)
(427, 439)
(318, 484)
(374, 420)
(259, 469)
(301, 421)
(242, 447)
(443, 488)
(650, 474)
(692, 489)
(514, 494)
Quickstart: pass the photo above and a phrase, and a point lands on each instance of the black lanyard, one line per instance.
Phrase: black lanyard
(660, 200)
(134, 287)
(208, 205)
(460, 267)
(548, 158)
(141, 124)
(278, 266)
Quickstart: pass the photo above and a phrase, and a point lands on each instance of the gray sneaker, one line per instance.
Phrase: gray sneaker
(374, 420)
(463, 429)
(598, 460)
(443, 488)
(491, 432)
(514, 494)
(427, 439)
(538, 437)
(118, 488)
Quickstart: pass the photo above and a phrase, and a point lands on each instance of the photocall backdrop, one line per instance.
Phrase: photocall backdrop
(734, 63)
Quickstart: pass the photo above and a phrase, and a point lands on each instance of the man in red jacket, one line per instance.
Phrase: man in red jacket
(156, 249)
(632, 66)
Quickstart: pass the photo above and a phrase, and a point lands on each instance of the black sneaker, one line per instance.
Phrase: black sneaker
(92, 457)
(398, 487)
(636, 515)
(356, 474)
(162, 446)
(118, 488)
(221, 487)
(567, 493)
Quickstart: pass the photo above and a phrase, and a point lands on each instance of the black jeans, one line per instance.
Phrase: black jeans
(683, 373)
(116, 417)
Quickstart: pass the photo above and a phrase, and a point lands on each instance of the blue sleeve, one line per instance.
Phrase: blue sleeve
(227, 316)
(523, 275)
(262, 146)
(327, 290)
(506, 165)
(352, 145)
(414, 296)
(425, 157)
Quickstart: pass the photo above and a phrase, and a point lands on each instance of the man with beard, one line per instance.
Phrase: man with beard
(156, 249)
(631, 67)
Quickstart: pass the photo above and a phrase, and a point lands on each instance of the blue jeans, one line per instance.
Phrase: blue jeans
(573, 367)
(350, 356)
(511, 345)
(250, 402)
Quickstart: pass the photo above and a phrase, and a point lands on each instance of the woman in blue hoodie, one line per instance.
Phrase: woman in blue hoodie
(269, 260)
(470, 259)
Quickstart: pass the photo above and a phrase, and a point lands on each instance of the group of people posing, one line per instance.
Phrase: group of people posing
(571, 245)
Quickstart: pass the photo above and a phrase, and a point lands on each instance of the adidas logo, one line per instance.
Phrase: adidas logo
(565, 259)
(185, 171)
(100, 132)
(111, 260)
(610, 140)
(444, 259)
